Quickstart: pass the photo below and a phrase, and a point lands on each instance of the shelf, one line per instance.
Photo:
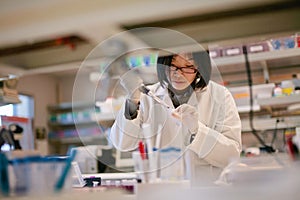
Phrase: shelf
(61, 116)
(272, 66)
(75, 123)
(76, 140)
(241, 96)
(230, 60)
(104, 119)
(4, 100)
(270, 123)
(283, 100)
(99, 117)
(254, 57)
(56, 124)
(245, 109)
(71, 105)
(276, 54)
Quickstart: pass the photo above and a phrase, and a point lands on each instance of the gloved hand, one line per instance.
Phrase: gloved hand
(131, 82)
(188, 115)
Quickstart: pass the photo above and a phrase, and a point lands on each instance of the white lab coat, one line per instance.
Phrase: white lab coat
(219, 135)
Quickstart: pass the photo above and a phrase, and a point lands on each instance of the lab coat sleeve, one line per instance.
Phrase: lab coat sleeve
(222, 143)
(124, 133)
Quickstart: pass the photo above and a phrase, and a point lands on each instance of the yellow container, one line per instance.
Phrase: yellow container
(287, 91)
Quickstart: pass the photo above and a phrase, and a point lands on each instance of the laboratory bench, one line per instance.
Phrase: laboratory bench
(180, 191)
(267, 176)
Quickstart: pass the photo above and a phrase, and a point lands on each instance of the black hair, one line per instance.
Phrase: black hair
(201, 59)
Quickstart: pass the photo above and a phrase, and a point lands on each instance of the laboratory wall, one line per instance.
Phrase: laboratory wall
(43, 88)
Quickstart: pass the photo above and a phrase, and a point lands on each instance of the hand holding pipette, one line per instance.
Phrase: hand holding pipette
(148, 92)
(131, 82)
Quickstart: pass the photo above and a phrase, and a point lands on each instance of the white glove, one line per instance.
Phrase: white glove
(188, 115)
(131, 83)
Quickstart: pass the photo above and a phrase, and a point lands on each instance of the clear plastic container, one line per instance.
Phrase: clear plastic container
(277, 92)
(171, 164)
(36, 175)
(283, 43)
(146, 168)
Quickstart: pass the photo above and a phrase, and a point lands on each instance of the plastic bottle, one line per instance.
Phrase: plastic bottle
(287, 87)
(277, 92)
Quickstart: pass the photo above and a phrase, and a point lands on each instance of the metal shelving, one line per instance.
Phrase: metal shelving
(266, 109)
(261, 56)
(271, 66)
(271, 123)
(279, 101)
(76, 124)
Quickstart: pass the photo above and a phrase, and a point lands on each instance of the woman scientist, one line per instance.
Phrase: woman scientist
(202, 116)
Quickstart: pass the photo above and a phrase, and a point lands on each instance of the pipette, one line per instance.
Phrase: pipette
(148, 92)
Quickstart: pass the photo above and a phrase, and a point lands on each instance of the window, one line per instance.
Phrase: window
(7, 110)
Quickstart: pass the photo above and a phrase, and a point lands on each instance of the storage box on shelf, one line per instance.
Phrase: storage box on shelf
(241, 96)
(76, 124)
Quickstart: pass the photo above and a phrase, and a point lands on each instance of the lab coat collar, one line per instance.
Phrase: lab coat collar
(163, 94)
(160, 91)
